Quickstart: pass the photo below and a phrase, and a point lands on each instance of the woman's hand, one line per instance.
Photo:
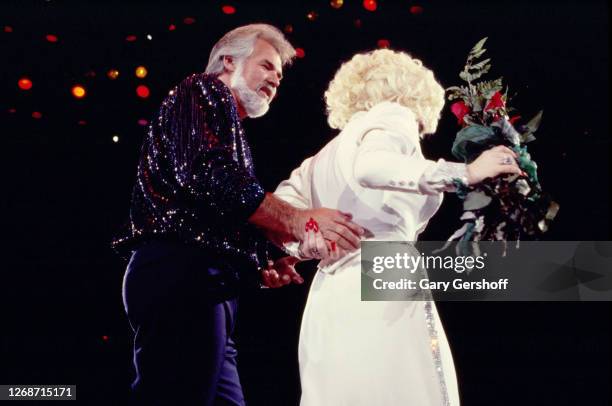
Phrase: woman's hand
(334, 225)
(491, 163)
(315, 246)
(335, 253)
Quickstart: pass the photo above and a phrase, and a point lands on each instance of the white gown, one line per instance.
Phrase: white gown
(351, 352)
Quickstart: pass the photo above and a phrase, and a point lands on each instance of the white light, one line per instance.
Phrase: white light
(115, 138)
(149, 37)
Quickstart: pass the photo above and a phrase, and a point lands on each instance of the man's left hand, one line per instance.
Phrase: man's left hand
(281, 272)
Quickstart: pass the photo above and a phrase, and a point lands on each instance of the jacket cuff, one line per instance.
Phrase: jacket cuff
(442, 177)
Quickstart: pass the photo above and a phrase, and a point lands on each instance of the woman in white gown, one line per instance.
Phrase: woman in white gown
(389, 352)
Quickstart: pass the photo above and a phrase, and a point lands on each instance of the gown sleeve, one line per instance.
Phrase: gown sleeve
(389, 158)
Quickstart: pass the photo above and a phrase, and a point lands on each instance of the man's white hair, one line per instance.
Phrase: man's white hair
(384, 75)
(240, 42)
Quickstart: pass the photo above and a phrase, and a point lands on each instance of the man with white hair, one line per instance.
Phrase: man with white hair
(197, 218)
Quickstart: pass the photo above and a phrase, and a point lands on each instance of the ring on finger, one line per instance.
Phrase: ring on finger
(506, 160)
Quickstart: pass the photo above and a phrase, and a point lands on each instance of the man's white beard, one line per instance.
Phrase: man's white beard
(254, 105)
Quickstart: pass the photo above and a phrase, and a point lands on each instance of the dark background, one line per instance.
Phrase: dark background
(66, 186)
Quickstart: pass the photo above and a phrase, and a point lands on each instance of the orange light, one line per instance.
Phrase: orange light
(227, 9)
(336, 3)
(370, 5)
(141, 72)
(78, 91)
(299, 52)
(51, 38)
(24, 84)
(112, 74)
(142, 91)
(312, 15)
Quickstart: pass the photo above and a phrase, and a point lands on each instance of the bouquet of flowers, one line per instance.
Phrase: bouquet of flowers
(507, 208)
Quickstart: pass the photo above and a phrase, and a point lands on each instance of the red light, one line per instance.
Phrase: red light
(82, 122)
(288, 29)
(299, 52)
(383, 43)
(357, 23)
(51, 38)
(37, 115)
(142, 122)
(189, 20)
(8, 28)
(105, 338)
(78, 91)
(130, 38)
(24, 84)
(416, 9)
(228, 9)
(12, 110)
(142, 91)
(172, 27)
(369, 5)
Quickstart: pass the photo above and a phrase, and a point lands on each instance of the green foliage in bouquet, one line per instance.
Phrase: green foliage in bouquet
(507, 208)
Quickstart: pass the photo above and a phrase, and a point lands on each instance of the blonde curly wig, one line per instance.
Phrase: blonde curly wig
(384, 75)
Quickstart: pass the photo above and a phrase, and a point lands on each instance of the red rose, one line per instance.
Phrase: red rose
(459, 109)
(496, 102)
(514, 119)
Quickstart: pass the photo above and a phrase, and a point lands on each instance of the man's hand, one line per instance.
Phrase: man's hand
(334, 225)
(282, 223)
(281, 273)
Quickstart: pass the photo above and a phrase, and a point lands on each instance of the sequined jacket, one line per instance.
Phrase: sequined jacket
(195, 180)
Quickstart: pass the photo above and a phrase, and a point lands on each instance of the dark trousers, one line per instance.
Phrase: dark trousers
(182, 309)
